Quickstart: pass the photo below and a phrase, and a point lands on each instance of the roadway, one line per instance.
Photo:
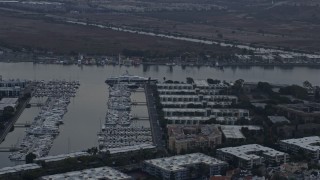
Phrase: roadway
(10, 123)
(157, 132)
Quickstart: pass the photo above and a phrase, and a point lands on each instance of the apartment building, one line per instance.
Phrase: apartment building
(184, 167)
(189, 137)
(310, 145)
(251, 155)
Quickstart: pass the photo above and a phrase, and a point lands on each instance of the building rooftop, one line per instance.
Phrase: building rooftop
(95, 173)
(130, 148)
(201, 83)
(234, 131)
(177, 163)
(62, 156)
(303, 107)
(15, 88)
(311, 143)
(18, 168)
(8, 100)
(173, 84)
(193, 132)
(194, 118)
(226, 110)
(278, 119)
(246, 151)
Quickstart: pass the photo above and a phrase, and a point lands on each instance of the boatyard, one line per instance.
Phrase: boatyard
(121, 127)
(45, 126)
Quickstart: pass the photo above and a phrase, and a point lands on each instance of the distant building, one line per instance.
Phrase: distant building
(94, 173)
(185, 167)
(188, 137)
(199, 87)
(196, 115)
(8, 102)
(278, 119)
(287, 58)
(11, 87)
(310, 145)
(233, 134)
(300, 130)
(197, 102)
(306, 112)
(251, 155)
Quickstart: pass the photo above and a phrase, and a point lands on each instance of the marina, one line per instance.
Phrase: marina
(82, 121)
(120, 129)
(45, 127)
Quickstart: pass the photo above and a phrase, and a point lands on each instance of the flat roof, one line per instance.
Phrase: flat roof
(227, 110)
(94, 173)
(278, 119)
(305, 143)
(178, 96)
(18, 168)
(62, 156)
(8, 100)
(176, 163)
(234, 131)
(246, 151)
(15, 88)
(201, 83)
(197, 96)
(173, 84)
(130, 148)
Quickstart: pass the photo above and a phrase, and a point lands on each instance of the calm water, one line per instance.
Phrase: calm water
(88, 108)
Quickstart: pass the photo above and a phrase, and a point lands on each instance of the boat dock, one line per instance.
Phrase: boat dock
(121, 128)
(41, 132)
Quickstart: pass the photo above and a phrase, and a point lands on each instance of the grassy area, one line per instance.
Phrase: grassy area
(36, 33)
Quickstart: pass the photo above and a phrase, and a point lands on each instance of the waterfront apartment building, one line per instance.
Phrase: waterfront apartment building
(198, 87)
(310, 145)
(249, 156)
(190, 137)
(305, 112)
(195, 103)
(190, 166)
(11, 87)
(197, 115)
(184, 101)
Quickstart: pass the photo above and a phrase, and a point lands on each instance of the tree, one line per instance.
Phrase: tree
(30, 157)
(307, 84)
(8, 112)
(190, 80)
(2, 126)
(295, 90)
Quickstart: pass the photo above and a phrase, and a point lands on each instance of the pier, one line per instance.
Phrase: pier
(139, 103)
(9, 149)
(140, 118)
(22, 125)
(36, 104)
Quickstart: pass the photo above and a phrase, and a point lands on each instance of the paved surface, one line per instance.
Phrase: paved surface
(12, 121)
(154, 121)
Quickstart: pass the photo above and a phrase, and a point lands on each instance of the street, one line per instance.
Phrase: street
(154, 121)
